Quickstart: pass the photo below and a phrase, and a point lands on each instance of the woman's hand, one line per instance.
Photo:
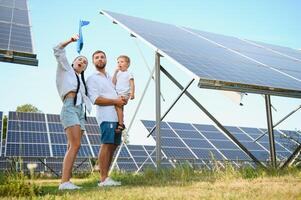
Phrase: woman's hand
(74, 38)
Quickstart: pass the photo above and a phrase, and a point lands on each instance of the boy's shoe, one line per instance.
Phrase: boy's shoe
(109, 182)
(119, 128)
(68, 186)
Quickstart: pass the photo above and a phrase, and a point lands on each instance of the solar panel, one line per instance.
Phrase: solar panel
(138, 158)
(173, 147)
(125, 161)
(80, 165)
(93, 134)
(59, 142)
(15, 33)
(141, 156)
(273, 58)
(220, 62)
(281, 152)
(206, 142)
(200, 140)
(255, 148)
(27, 135)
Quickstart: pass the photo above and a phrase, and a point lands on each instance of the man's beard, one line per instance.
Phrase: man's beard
(100, 65)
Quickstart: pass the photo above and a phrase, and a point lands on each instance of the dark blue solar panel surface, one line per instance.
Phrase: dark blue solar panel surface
(58, 139)
(139, 158)
(281, 151)
(206, 142)
(15, 33)
(33, 130)
(255, 148)
(209, 61)
(278, 61)
(27, 135)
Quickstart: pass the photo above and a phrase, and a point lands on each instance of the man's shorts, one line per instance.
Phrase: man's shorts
(72, 115)
(108, 135)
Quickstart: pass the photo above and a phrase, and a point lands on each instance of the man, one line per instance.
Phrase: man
(102, 93)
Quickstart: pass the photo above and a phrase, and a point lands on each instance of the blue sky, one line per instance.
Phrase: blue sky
(275, 22)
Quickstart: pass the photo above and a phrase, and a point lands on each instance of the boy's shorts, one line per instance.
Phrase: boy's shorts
(72, 115)
(108, 135)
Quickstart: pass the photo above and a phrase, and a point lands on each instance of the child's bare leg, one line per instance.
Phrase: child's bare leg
(119, 111)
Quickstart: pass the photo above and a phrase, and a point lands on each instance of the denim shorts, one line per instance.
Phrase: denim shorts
(72, 115)
(108, 135)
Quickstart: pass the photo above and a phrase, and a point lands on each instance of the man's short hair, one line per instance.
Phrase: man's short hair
(98, 51)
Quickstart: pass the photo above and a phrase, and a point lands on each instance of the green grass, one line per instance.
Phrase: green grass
(180, 183)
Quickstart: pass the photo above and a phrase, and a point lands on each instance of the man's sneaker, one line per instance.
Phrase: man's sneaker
(68, 186)
(109, 182)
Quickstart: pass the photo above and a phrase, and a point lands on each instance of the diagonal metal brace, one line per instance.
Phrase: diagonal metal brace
(292, 158)
(172, 105)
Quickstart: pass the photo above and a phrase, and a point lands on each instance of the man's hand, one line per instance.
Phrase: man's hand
(121, 101)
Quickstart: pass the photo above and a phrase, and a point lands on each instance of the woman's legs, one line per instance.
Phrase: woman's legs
(74, 135)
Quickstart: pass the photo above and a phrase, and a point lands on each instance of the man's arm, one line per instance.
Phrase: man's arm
(102, 101)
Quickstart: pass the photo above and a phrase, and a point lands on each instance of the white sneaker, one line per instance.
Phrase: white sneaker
(109, 182)
(68, 186)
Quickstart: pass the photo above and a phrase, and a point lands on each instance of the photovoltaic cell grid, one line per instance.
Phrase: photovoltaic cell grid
(237, 64)
(92, 132)
(27, 135)
(138, 157)
(33, 135)
(205, 142)
(15, 33)
(289, 139)
(80, 165)
(196, 142)
(58, 139)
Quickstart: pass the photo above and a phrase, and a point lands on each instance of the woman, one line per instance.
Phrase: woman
(73, 92)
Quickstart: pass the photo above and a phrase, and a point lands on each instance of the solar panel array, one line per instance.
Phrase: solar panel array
(15, 33)
(139, 158)
(222, 62)
(80, 165)
(40, 135)
(58, 139)
(201, 142)
(27, 135)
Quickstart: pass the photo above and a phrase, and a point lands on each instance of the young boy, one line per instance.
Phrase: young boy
(124, 85)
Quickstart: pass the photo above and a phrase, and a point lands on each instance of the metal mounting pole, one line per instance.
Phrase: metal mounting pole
(158, 110)
(270, 130)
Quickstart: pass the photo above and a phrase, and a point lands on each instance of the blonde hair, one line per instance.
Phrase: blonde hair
(127, 59)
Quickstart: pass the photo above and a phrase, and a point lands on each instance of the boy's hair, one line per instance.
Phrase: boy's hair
(127, 59)
(98, 51)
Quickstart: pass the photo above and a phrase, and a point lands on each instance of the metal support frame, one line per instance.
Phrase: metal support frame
(172, 105)
(270, 130)
(212, 118)
(158, 110)
(279, 122)
(48, 167)
(292, 158)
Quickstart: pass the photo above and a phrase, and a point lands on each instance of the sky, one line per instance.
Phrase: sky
(270, 21)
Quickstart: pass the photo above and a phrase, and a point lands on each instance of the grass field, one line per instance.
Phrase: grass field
(181, 183)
